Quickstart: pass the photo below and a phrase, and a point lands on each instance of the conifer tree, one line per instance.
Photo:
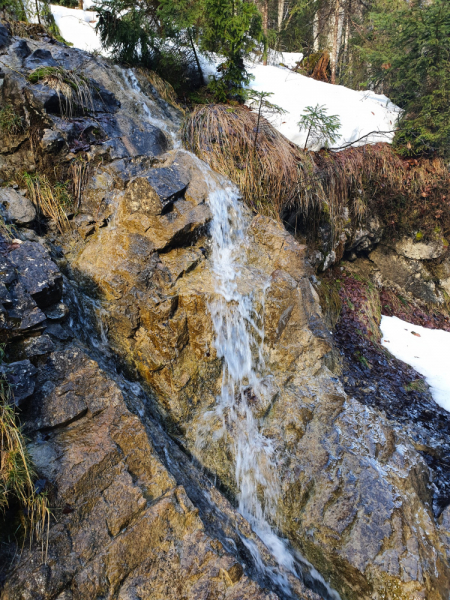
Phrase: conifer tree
(409, 54)
(231, 29)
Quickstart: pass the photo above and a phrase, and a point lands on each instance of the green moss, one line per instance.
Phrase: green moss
(419, 236)
(418, 385)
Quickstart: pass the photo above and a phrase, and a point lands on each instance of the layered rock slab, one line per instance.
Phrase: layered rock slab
(354, 493)
(125, 529)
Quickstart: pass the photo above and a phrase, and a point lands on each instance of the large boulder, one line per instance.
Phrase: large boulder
(354, 493)
(125, 529)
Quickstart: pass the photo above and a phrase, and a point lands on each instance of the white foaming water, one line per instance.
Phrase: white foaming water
(239, 338)
(136, 88)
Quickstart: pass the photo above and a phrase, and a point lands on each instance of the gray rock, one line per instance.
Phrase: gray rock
(38, 346)
(17, 209)
(5, 38)
(38, 274)
(168, 183)
(20, 49)
(45, 97)
(420, 250)
(411, 275)
(21, 377)
(52, 141)
(28, 235)
(40, 58)
(366, 238)
(57, 313)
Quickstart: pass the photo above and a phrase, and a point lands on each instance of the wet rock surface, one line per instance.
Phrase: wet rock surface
(342, 466)
(375, 378)
(126, 371)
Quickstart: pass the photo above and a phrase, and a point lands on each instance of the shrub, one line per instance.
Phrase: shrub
(409, 53)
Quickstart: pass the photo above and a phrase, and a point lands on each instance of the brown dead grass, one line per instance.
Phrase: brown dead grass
(408, 195)
(278, 179)
(269, 174)
(51, 201)
(17, 474)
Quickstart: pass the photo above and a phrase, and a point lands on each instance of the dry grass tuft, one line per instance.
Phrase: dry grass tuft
(80, 172)
(278, 179)
(51, 201)
(270, 173)
(73, 90)
(17, 474)
(408, 195)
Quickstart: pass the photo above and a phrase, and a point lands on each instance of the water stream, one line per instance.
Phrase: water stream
(238, 321)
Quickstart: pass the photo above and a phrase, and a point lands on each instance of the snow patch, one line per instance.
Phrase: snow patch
(359, 112)
(78, 26)
(428, 352)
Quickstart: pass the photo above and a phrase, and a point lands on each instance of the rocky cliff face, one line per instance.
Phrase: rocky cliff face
(113, 324)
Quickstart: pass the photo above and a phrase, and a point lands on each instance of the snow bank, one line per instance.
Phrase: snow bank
(428, 353)
(359, 112)
(77, 27)
(288, 59)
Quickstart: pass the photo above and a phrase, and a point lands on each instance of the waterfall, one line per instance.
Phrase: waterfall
(239, 340)
(238, 321)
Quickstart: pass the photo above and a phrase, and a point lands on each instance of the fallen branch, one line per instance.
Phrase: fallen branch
(362, 137)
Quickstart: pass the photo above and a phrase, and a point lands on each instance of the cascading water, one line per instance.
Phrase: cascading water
(239, 339)
(238, 320)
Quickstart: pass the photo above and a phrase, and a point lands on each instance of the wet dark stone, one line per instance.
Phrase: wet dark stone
(40, 58)
(377, 379)
(21, 377)
(46, 97)
(38, 346)
(168, 183)
(38, 274)
(57, 313)
(5, 38)
(20, 49)
(59, 332)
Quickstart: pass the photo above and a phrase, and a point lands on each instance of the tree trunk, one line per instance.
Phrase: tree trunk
(335, 51)
(280, 13)
(265, 23)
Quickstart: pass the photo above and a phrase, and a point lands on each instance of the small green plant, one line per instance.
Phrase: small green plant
(418, 385)
(259, 103)
(10, 121)
(322, 128)
(52, 201)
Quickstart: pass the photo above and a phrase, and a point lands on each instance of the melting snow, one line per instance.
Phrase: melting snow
(77, 27)
(426, 350)
(360, 113)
